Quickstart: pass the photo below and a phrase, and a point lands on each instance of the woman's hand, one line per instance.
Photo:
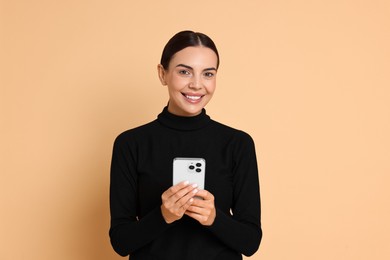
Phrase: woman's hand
(176, 200)
(203, 210)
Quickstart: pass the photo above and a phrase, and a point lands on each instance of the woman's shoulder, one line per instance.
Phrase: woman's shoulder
(233, 132)
(136, 132)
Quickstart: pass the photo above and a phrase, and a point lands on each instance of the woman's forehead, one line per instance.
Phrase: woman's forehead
(197, 56)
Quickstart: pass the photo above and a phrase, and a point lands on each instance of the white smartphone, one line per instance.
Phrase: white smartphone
(189, 169)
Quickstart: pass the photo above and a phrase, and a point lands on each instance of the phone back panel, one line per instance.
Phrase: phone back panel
(189, 169)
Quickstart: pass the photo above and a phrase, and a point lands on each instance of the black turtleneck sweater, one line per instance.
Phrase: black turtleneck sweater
(141, 170)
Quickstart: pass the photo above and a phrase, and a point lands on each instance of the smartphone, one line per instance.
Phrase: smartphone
(189, 169)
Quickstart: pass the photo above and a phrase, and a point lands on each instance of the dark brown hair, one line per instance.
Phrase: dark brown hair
(183, 40)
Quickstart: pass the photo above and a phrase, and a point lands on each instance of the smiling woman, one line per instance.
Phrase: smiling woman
(191, 80)
(154, 218)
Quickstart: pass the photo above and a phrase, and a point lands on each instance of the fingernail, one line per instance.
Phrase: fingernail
(194, 185)
(186, 182)
(195, 190)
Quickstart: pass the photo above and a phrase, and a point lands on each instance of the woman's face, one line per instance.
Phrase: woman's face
(191, 80)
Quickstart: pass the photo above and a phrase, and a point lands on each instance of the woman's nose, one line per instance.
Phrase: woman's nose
(196, 83)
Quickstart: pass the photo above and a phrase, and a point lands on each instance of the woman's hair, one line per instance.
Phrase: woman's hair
(183, 40)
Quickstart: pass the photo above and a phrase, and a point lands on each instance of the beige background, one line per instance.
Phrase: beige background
(309, 80)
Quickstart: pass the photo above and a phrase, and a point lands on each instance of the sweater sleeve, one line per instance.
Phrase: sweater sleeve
(241, 230)
(127, 232)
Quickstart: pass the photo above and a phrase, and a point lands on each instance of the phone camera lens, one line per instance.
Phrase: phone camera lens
(198, 170)
(191, 167)
(198, 164)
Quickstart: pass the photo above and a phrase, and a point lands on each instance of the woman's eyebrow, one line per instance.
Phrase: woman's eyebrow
(190, 68)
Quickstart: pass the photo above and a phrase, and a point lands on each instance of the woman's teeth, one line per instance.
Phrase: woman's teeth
(193, 97)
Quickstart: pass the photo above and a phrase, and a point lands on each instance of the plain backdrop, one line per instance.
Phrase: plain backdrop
(309, 80)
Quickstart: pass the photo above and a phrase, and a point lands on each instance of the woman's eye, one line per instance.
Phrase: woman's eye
(184, 72)
(209, 74)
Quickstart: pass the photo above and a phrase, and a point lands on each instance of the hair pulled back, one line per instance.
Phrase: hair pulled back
(183, 40)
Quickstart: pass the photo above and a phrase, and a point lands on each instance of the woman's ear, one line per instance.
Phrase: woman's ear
(161, 74)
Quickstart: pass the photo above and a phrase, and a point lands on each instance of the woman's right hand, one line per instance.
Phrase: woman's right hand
(176, 200)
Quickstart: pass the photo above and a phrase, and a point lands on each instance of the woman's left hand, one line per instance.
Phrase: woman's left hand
(203, 210)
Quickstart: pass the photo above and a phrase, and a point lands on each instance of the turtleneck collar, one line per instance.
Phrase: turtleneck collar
(182, 122)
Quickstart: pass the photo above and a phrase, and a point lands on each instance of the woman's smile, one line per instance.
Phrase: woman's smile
(193, 98)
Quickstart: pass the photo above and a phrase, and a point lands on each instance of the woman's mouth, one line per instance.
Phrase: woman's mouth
(193, 98)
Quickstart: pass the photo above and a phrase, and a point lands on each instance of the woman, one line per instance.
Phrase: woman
(153, 219)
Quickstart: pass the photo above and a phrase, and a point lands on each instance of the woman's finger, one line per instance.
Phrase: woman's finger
(182, 193)
(175, 188)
